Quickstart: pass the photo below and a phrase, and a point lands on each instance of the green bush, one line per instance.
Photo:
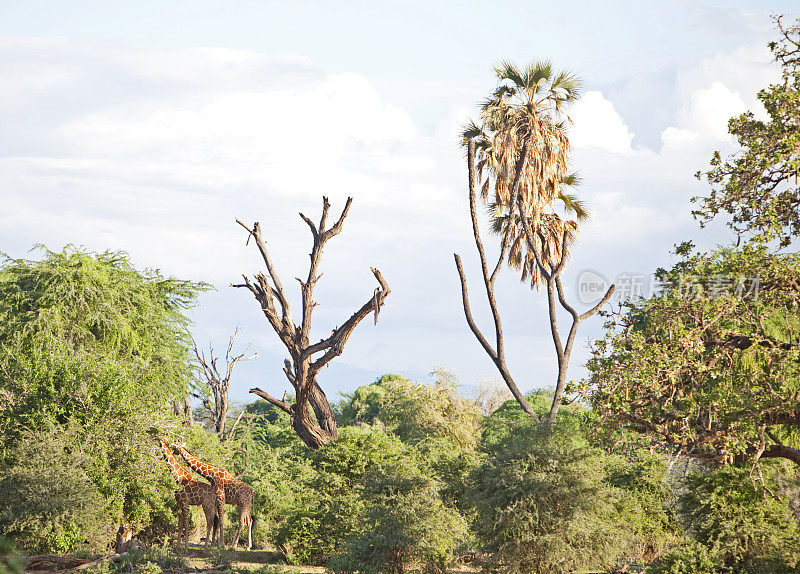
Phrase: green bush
(645, 502)
(689, 558)
(152, 560)
(328, 505)
(350, 484)
(404, 522)
(741, 526)
(11, 561)
(48, 501)
(541, 503)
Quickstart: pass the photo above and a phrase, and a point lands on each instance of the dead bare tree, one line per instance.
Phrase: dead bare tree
(306, 359)
(218, 382)
(183, 408)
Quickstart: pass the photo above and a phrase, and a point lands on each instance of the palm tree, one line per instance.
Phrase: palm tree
(522, 147)
(522, 141)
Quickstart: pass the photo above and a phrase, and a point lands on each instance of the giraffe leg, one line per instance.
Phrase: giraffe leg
(211, 514)
(183, 528)
(241, 524)
(220, 505)
(250, 530)
(182, 518)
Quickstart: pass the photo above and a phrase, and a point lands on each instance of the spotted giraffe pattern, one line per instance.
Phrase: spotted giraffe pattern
(236, 492)
(193, 493)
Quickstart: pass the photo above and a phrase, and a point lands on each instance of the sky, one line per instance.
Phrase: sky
(149, 127)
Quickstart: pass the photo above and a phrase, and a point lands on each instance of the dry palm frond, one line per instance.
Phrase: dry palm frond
(548, 235)
(526, 113)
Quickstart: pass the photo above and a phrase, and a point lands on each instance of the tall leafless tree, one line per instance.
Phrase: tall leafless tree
(496, 353)
(218, 382)
(312, 417)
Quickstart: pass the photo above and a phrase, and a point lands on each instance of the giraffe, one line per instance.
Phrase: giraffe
(193, 493)
(236, 491)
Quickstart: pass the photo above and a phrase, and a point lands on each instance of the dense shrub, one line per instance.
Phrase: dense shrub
(645, 502)
(48, 502)
(688, 558)
(739, 525)
(541, 505)
(11, 561)
(435, 420)
(345, 493)
(404, 522)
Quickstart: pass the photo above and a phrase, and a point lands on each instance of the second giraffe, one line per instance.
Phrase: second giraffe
(236, 492)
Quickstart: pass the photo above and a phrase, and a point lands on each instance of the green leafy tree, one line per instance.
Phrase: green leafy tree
(758, 186)
(92, 349)
(364, 405)
(712, 366)
(714, 376)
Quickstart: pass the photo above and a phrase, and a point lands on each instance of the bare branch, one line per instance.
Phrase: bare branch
(334, 344)
(233, 428)
(337, 227)
(255, 232)
(468, 312)
(311, 226)
(602, 302)
(283, 405)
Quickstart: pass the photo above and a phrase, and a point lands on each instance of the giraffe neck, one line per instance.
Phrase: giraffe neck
(205, 469)
(180, 474)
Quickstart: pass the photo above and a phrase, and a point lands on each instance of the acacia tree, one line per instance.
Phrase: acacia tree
(712, 366)
(312, 417)
(218, 383)
(758, 187)
(522, 147)
(92, 353)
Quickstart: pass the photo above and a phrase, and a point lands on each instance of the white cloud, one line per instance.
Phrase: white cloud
(709, 110)
(597, 124)
(716, 89)
(673, 137)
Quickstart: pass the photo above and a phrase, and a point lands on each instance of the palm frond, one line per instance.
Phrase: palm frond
(505, 70)
(572, 179)
(537, 74)
(574, 205)
(567, 84)
(470, 131)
